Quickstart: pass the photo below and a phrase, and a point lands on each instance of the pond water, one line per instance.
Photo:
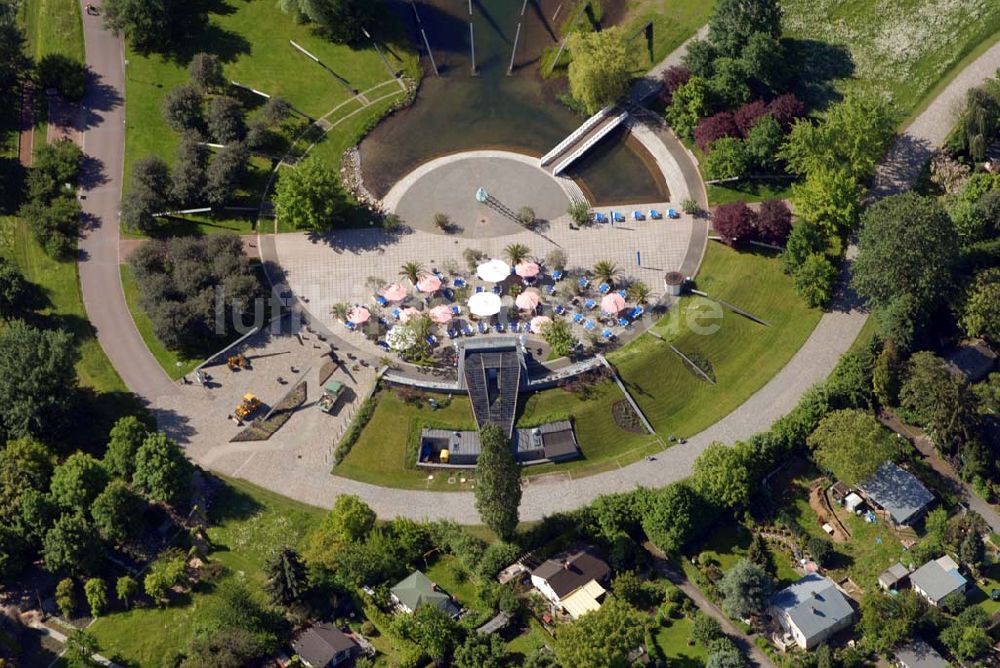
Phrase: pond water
(458, 111)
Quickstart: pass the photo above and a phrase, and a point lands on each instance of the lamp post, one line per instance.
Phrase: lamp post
(385, 62)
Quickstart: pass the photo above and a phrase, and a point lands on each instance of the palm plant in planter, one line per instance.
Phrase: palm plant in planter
(639, 292)
(607, 271)
(516, 253)
(412, 270)
(340, 310)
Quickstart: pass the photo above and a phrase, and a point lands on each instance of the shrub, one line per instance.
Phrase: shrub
(728, 159)
(786, 109)
(579, 211)
(225, 120)
(495, 558)
(714, 127)
(734, 223)
(821, 550)
(815, 279)
(358, 424)
(746, 116)
(673, 78)
(774, 221)
(206, 72)
(182, 108)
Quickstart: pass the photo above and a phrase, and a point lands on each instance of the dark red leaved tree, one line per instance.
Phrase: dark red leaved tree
(714, 127)
(747, 115)
(774, 221)
(734, 223)
(673, 78)
(786, 108)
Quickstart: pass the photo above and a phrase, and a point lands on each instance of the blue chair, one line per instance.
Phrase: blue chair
(383, 344)
(637, 215)
(550, 289)
(578, 318)
(604, 288)
(483, 327)
(459, 282)
(623, 292)
(456, 310)
(431, 340)
(452, 334)
(396, 313)
(623, 322)
(479, 288)
(468, 330)
(600, 217)
(590, 304)
(350, 325)
(672, 213)
(559, 309)
(655, 215)
(590, 325)
(608, 334)
(617, 217)
(448, 294)
(497, 290)
(557, 275)
(583, 282)
(380, 300)
(499, 327)
(636, 312)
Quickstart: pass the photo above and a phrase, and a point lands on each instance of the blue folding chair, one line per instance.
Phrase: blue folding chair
(557, 275)
(459, 282)
(617, 217)
(636, 312)
(479, 288)
(672, 213)
(559, 309)
(396, 313)
(498, 327)
(655, 215)
(350, 325)
(583, 282)
(590, 325)
(589, 304)
(600, 217)
(380, 300)
(623, 322)
(604, 288)
(623, 292)
(449, 294)
(578, 318)
(452, 334)
(497, 290)
(383, 344)
(456, 310)
(608, 334)
(431, 340)
(637, 215)
(550, 289)
(483, 327)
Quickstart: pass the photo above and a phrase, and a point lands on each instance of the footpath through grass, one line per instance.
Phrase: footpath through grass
(741, 354)
(674, 21)
(248, 523)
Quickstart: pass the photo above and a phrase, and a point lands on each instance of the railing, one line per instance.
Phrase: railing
(614, 123)
(576, 134)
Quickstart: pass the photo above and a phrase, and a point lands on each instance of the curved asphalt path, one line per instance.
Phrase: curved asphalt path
(836, 331)
(103, 132)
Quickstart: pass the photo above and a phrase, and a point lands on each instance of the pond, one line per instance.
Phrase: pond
(460, 111)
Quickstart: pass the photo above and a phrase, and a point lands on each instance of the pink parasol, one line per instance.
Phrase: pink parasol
(528, 300)
(612, 303)
(441, 314)
(540, 322)
(527, 269)
(429, 283)
(358, 315)
(408, 314)
(394, 292)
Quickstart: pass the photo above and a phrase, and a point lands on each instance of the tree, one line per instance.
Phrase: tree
(815, 279)
(852, 444)
(786, 109)
(146, 23)
(734, 223)
(55, 224)
(286, 577)
(15, 291)
(745, 588)
(759, 553)
(729, 159)
(638, 292)
(481, 650)
(727, 657)
(225, 171)
(729, 84)
(705, 629)
(498, 482)
(78, 481)
(182, 108)
(689, 105)
(673, 78)
(821, 550)
(579, 212)
(14, 553)
(206, 72)
(225, 120)
(81, 645)
(607, 271)
(721, 474)
(764, 62)
(560, 338)
(65, 596)
(25, 464)
(412, 271)
(886, 374)
(137, 209)
(37, 514)
(774, 221)
(516, 253)
(829, 198)
(309, 196)
(71, 546)
(162, 471)
(152, 175)
(126, 589)
(675, 516)
(601, 639)
(762, 144)
(187, 179)
(804, 240)
(599, 72)
(37, 380)
(350, 521)
(65, 74)
(932, 397)
(340, 20)
(734, 22)
(979, 313)
(117, 512)
(967, 636)
(972, 551)
(432, 629)
(96, 592)
(715, 127)
(14, 61)
(124, 440)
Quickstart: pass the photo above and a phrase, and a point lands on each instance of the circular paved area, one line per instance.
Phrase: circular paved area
(448, 185)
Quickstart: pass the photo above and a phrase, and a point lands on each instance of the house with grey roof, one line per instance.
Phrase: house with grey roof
(898, 493)
(937, 579)
(971, 361)
(812, 610)
(894, 577)
(918, 654)
(416, 590)
(325, 646)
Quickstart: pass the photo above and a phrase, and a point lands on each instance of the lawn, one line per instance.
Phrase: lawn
(252, 40)
(173, 362)
(743, 355)
(678, 646)
(901, 48)
(247, 524)
(749, 190)
(728, 544)
(674, 21)
(449, 574)
(53, 27)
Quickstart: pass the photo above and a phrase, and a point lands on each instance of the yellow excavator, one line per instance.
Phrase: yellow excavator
(248, 407)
